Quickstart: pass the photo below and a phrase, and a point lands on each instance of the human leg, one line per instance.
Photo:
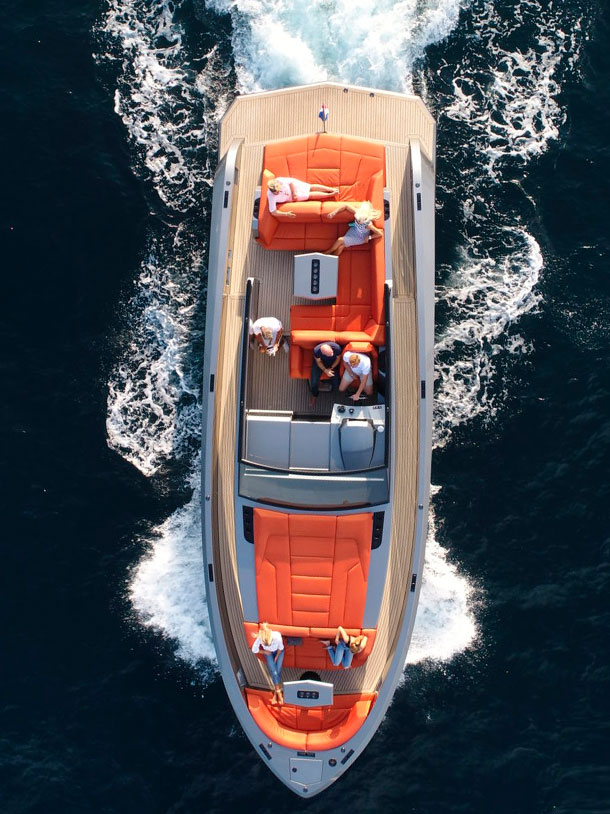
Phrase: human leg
(337, 247)
(346, 381)
(335, 654)
(319, 192)
(347, 657)
(278, 665)
(314, 380)
(272, 667)
(368, 387)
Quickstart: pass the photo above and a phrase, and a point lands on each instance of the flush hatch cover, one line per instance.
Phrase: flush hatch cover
(304, 771)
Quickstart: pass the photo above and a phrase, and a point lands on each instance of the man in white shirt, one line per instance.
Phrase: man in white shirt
(267, 332)
(357, 366)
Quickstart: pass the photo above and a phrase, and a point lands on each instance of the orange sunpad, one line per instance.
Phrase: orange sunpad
(312, 570)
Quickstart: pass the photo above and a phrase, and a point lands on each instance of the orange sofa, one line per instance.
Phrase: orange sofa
(307, 728)
(355, 166)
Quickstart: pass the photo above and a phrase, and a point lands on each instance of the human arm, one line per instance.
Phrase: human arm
(341, 634)
(375, 232)
(342, 208)
(278, 339)
(358, 392)
(262, 348)
(257, 645)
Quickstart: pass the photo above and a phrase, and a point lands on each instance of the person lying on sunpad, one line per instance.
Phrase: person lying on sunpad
(283, 190)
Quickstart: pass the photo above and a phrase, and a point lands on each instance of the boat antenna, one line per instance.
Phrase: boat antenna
(323, 114)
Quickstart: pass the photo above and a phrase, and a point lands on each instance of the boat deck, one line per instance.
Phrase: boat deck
(390, 118)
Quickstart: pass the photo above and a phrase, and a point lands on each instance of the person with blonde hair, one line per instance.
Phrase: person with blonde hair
(273, 649)
(267, 332)
(357, 366)
(361, 229)
(346, 647)
(283, 190)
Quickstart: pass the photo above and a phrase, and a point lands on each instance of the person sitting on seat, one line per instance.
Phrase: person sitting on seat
(361, 229)
(346, 647)
(326, 358)
(357, 366)
(273, 649)
(281, 190)
(268, 332)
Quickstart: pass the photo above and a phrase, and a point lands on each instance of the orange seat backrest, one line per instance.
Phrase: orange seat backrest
(312, 570)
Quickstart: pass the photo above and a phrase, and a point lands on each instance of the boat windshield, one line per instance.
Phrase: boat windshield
(314, 491)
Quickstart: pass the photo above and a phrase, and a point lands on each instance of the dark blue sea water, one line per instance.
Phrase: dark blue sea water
(109, 696)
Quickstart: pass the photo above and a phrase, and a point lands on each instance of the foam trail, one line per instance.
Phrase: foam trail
(153, 394)
(445, 623)
(166, 587)
(278, 43)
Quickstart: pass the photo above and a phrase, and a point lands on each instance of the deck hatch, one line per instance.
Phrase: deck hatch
(211, 572)
(211, 383)
(423, 389)
(264, 751)
(226, 200)
(347, 757)
(419, 201)
(413, 583)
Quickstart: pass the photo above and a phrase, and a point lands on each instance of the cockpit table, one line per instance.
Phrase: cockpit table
(315, 276)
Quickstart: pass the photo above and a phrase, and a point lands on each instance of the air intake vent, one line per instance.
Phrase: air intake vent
(248, 516)
(377, 529)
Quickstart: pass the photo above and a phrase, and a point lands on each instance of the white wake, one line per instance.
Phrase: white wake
(509, 110)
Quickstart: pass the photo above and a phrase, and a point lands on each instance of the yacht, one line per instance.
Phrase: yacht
(315, 516)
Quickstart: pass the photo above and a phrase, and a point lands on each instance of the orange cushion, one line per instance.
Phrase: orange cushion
(313, 728)
(267, 224)
(312, 570)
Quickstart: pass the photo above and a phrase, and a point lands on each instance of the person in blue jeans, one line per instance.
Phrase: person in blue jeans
(326, 358)
(346, 647)
(273, 649)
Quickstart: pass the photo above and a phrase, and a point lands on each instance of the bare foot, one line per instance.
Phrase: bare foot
(325, 642)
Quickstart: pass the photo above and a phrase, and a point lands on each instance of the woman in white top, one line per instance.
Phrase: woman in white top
(357, 366)
(268, 333)
(361, 229)
(282, 190)
(273, 648)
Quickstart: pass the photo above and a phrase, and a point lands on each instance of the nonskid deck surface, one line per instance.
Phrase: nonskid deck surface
(270, 386)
